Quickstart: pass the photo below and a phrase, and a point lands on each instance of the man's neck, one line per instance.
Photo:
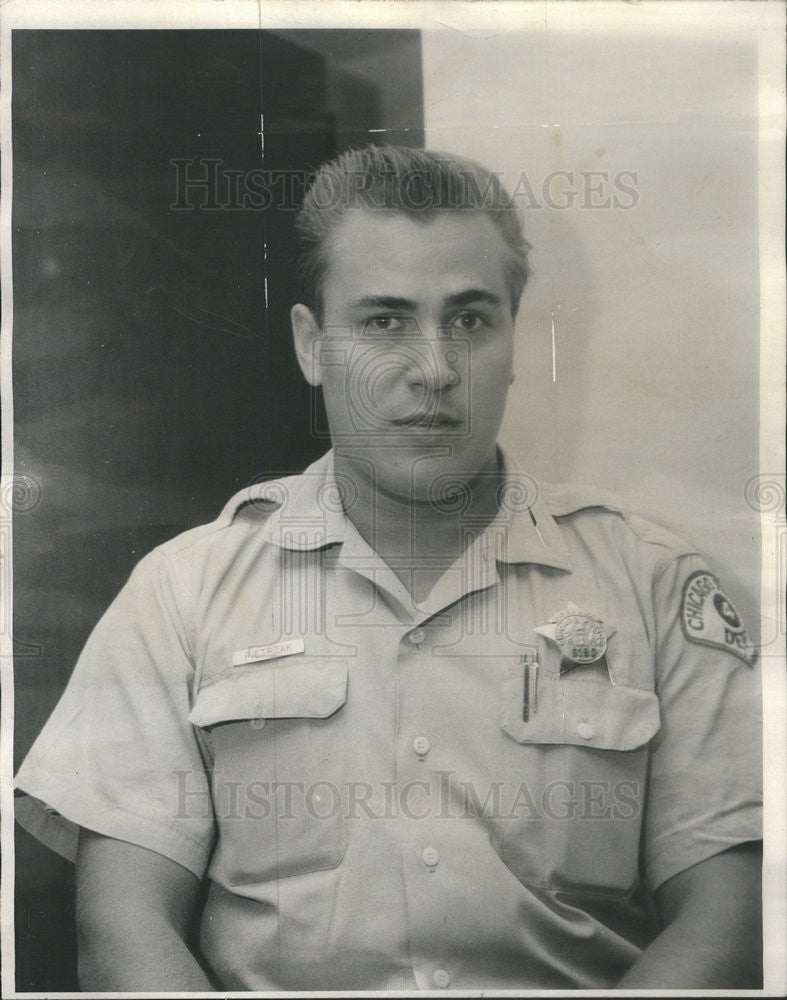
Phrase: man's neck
(415, 533)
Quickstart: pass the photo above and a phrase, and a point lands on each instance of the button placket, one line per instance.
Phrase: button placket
(424, 867)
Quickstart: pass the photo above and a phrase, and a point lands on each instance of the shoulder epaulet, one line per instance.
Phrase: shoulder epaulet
(565, 499)
(569, 498)
(252, 505)
(258, 500)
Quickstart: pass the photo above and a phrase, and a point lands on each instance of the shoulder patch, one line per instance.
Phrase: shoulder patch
(708, 617)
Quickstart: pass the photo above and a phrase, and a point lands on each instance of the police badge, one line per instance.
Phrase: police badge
(580, 637)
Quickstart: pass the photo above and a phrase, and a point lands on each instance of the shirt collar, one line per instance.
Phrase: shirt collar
(524, 529)
(310, 515)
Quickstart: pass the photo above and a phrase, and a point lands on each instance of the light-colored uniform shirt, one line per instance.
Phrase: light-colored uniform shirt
(479, 791)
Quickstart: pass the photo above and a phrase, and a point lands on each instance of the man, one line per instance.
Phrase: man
(421, 722)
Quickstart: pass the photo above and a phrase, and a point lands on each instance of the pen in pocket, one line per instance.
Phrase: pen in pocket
(530, 689)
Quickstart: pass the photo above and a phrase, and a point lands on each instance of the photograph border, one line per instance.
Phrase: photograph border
(764, 20)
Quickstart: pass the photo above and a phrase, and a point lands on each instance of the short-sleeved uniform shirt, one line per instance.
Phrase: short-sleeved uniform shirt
(478, 791)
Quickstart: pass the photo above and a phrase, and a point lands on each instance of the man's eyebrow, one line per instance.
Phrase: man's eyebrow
(458, 299)
(384, 302)
(471, 295)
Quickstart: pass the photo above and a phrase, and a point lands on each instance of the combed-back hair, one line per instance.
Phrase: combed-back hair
(415, 182)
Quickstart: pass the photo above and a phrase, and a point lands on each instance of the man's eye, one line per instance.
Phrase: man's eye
(388, 324)
(467, 322)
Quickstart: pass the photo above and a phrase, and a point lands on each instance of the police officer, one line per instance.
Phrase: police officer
(420, 721)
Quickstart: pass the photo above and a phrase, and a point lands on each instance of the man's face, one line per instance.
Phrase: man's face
(415, 351)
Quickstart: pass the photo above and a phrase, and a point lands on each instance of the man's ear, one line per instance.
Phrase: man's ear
(306, 333)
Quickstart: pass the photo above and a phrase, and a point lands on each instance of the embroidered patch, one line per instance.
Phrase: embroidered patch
(708, 617)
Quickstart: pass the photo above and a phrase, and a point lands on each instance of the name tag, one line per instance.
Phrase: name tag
(255, 654)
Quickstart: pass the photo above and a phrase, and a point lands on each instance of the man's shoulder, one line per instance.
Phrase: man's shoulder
(246, 512)
(587, 509)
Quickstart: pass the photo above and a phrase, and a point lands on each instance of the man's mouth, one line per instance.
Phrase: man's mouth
(429, 420)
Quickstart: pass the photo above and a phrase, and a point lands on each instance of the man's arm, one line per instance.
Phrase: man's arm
(133, 913)
(712, 935)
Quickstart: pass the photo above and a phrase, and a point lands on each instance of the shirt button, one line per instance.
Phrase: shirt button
(417, 636)
(441, 978)
(431, 857)
(421, 746)
(586, 731)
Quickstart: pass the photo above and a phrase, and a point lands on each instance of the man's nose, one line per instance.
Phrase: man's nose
(433, 365)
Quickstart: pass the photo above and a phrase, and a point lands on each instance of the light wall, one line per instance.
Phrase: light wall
(652, 390)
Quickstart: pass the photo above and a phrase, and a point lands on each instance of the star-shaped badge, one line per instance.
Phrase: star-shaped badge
(580, 637)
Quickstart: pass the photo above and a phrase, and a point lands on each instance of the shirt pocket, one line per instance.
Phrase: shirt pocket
(582, 757)
(277, 737)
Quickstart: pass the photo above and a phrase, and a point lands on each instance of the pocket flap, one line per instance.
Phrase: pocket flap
(303, 689)
(582, 712)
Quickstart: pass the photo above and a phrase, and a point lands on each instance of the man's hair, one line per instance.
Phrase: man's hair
(414, 182)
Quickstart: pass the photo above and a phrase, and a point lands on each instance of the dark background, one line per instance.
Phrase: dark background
(151, 381)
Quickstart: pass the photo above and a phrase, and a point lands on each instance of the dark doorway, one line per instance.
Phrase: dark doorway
(153, 377)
